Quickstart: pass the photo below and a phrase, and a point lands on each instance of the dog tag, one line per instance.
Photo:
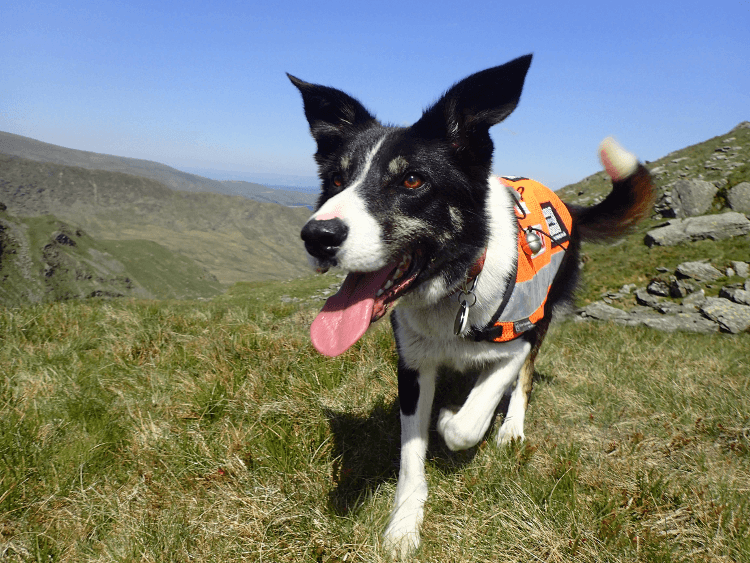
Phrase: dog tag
(462, 319)
(467, 299)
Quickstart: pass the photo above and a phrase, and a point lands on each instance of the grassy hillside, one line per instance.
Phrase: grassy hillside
(211, 431)
(136, 430)
(724, 160)
(24, 147)
(43, 259)
(236, 239)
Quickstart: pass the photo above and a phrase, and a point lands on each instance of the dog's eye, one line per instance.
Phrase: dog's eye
(337, 180)
(412, 181)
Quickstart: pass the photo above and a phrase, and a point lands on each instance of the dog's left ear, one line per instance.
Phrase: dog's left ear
(331, 113)
(466, 112)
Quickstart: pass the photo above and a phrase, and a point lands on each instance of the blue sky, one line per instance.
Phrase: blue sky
(201, 85)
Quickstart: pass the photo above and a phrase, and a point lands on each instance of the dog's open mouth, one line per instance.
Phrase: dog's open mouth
(363, 299)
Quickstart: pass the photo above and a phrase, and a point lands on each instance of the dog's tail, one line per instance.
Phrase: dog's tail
(631, 199)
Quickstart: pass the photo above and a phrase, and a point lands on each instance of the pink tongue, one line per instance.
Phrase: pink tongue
(346, 316)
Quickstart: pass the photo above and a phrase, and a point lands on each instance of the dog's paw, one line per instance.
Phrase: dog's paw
(401, 537)
(511, 429)
(618, 162)
(456, 437)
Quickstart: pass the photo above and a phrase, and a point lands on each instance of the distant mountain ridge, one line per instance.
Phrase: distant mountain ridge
(234, 238)
(25, 147)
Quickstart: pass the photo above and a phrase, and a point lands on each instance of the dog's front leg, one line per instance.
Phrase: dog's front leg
(416, 390)
(465, 428)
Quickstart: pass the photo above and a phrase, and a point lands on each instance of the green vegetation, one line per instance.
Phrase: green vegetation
(211, 431)
(17, 145)
(609, 267)
(704, 160)
(234, 238)
(43, 259)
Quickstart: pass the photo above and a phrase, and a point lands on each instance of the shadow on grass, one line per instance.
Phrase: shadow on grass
(366, 448)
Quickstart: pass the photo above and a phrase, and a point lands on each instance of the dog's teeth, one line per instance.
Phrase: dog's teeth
(388, 284)
(380, 292)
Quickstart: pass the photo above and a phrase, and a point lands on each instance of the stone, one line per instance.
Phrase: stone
(683, 322)
(715, 227)
(677, 318)
(738, 198)
(658, 287)
(694, 300)
(742, 269)
(699, 271)
(643, 297)
(681, 288)
(735, 295)
(603, 312)
(670, 308)
(692, 197)
(732, 317)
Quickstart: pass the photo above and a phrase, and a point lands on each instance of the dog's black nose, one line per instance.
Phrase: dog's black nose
(323, 238)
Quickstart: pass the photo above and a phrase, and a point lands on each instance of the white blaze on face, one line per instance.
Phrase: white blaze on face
(363, 250)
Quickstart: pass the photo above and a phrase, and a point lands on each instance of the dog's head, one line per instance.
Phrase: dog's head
(402, 208)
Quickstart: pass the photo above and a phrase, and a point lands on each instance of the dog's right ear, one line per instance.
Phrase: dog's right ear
(331, 113)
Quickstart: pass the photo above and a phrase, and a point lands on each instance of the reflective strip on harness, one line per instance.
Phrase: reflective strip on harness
(539, 208)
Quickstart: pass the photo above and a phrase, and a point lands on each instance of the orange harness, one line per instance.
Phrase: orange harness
(540, 211)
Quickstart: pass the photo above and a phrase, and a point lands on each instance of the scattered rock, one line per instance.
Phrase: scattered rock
(728, 313)
(715, 227)
(742, 269)
(692, 197)
(736, 295)
(658, 287)
(682, 322)
(699, 271)
(63, 238)
(731, 317)
(681, 288)
(694, 300)
(643, 297)
(738, 197)
(603, 312)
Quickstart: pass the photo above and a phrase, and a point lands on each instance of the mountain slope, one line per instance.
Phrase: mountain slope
(43, 259)
(723, 160)
(25, 147)
(234, 238)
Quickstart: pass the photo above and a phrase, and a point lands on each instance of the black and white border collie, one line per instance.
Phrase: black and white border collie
(413, 213)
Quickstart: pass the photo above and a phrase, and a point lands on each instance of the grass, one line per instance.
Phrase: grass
(609, 267)
(35, 266)
(211, 431)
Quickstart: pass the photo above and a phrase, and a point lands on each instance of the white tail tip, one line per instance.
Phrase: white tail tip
(618, 162)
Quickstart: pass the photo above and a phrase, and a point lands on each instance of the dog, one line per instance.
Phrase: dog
(477, 263)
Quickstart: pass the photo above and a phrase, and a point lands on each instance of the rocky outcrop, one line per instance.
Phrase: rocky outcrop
(715, 227)
(694, 312)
